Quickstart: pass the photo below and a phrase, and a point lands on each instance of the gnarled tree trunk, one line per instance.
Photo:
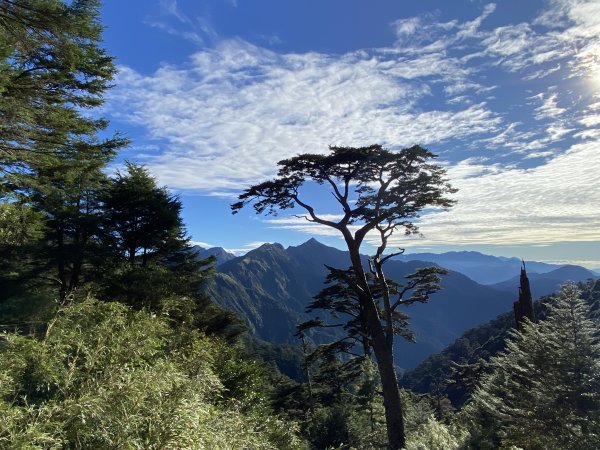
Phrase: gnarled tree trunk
(383, 350)
(391, 394)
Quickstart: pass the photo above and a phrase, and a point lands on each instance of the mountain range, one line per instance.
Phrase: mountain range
(485, 269)
(220, 253)
(270, 287)
(549, 282)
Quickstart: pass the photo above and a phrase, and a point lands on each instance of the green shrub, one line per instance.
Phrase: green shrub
(107, 377)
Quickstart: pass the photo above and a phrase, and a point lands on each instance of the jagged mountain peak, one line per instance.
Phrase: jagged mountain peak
(311, 245)
(311, 242)
(267, 247)
(220, 253)
(271, 288)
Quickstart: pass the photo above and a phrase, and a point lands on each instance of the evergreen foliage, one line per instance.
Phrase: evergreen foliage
(456, 370)
(340, 301)
(51, 70)
(347, 408)
(19, 224)
(141, 222)
(145, 255)
(435, 435)
(51, 159)
(66, 192)
(543, 391)
(377, 191)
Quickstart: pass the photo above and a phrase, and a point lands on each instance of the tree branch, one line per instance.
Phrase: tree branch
(311, 212)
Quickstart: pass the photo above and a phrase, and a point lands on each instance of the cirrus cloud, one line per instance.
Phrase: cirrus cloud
(521, 150)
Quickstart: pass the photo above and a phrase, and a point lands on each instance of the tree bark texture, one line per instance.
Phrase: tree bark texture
(391, 394)
(383, 350)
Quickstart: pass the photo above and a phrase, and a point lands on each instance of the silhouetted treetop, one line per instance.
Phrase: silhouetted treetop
(372, 184)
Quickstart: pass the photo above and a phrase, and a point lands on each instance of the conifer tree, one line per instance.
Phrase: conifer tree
(53, 70)
(145, 254)
(376, 191)
(342, 304)
(141, 221)
(144, 257)
(544, 390)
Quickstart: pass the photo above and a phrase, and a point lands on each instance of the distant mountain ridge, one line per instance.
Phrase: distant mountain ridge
(547, 283)
(271, 286)
(482, 268)
(220, 253)
(485, 269)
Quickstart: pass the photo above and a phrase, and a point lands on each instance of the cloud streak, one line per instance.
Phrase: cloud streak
(226, 117)
(552, 203)
(240, 102)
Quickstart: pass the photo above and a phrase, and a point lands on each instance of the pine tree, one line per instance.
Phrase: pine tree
(53, 71)
(544, 391)
(377, 191)
(146, 255)
(66, 192)
(141, 221)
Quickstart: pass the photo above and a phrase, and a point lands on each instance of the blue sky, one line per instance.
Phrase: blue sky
(214, 93)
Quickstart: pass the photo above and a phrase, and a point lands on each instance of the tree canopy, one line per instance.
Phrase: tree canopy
(52, 70)
(378, 191)
(543, 391)
(141, 221)
(372, 185)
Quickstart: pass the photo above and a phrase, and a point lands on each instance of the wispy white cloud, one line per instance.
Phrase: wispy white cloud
(425, 34)
(202, 244)
(197, 30)
(542, 73)
(234, 111)
(239, 102)
(239, 251)
(302, 219)
(227, 116)
(549, 108)
(592, 120)
(553, 202)
(301, 225)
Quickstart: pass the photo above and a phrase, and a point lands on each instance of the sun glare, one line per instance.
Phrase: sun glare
(591, 62)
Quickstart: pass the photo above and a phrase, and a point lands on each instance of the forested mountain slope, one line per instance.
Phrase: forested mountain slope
(271, 286)
(478, 344)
